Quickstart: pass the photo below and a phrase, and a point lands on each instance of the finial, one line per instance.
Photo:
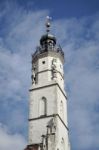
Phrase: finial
(48, 23)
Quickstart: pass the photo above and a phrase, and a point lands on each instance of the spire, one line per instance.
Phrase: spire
(48, 38)
(48, 41)
(48, 24)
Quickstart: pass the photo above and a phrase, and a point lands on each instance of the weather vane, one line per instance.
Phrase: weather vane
(48, 23)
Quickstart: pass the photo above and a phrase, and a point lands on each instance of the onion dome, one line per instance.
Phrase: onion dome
(48, 38)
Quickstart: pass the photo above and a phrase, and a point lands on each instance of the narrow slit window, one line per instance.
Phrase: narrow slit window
(63, 144)
(61, 110)
(42, 106)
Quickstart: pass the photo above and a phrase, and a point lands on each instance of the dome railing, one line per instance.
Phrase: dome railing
(47, 48)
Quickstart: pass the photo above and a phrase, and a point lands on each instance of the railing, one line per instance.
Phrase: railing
(40, 50)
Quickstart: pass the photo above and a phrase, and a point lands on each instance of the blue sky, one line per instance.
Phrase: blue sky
(76, 26)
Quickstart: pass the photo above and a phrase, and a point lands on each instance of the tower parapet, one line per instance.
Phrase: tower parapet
(48, 44)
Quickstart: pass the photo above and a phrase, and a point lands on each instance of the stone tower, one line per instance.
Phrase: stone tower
(48, 126)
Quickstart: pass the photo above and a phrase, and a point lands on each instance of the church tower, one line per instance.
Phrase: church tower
(48, 125)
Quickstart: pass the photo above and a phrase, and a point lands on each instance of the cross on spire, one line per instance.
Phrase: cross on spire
(48, 23)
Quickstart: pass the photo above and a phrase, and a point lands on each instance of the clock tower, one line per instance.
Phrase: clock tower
(48, 125)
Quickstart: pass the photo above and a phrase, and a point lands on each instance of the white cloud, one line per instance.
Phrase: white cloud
(10, 141)
(15, 54)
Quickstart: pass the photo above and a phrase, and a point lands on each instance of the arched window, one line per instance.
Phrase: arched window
(62, 144)
(61, 110)
(42, 107)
